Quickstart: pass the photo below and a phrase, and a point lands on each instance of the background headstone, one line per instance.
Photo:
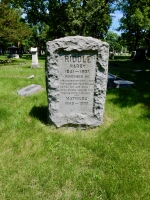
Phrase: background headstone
(111, 55)
(1, 51)
(31, 89)
(140, 54)
(111, 79)
(117, 82)
(34, 53)
(14, 52)
(123, 84)
(133, 54)
(76, 80)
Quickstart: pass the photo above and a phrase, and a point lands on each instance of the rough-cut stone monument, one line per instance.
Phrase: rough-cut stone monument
(34, 53)
(76, 80)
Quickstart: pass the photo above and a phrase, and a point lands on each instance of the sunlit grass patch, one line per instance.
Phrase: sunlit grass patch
(39, 161)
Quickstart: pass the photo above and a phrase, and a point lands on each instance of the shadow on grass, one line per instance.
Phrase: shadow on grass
(40, 113)
(126, 97)
(122, 57)
(131, 96)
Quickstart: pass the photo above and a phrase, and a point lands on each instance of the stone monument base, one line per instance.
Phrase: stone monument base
(35, 66)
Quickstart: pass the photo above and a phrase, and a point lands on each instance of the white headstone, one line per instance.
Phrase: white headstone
(34, 53)
(133, 54)
(76, 79)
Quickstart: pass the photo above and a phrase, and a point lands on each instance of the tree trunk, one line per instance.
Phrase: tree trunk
(136, 40)
(148, 43)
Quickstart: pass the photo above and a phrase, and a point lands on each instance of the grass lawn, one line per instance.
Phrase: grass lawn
(41, 162)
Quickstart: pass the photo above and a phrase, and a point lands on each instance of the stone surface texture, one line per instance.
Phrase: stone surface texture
(76, 80)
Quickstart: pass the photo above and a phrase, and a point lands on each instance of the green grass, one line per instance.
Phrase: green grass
(38, 161)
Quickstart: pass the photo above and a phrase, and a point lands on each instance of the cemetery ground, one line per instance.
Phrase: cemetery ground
(39, 161)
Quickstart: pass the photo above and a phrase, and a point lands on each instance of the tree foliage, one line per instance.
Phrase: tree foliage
(11, 27)
(114, 41)
(69, 17)
(38, 37)
(50, 19)
(135, 22)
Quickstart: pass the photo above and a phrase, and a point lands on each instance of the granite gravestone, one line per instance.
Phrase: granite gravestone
(34, 53)
(76, 80)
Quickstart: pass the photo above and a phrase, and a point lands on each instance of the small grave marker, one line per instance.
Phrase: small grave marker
(111, 79)
(123, 84)
(31, 89)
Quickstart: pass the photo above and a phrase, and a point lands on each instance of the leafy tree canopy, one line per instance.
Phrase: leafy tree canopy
(69, 17)
(113, 39)
(11, 27)
(135, 21)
